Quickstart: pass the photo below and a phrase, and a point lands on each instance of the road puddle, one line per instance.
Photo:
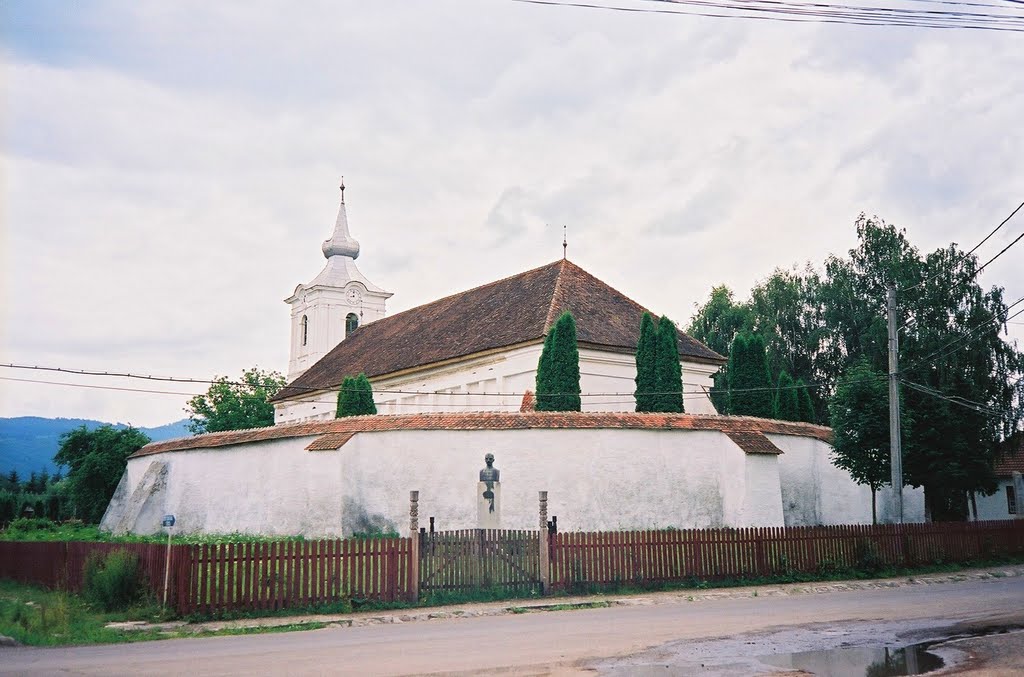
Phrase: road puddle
(860, 661)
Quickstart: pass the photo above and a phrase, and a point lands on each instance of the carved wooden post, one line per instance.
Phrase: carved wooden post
(545, 566)
(414, 549)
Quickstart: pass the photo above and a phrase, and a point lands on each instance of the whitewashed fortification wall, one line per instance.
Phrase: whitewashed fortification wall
(597, 479)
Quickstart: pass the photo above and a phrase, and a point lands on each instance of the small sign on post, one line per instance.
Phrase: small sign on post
(167, 523)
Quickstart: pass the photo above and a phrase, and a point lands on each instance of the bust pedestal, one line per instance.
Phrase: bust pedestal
(488, 505)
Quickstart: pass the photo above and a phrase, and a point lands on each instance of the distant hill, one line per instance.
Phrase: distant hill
(28, 443)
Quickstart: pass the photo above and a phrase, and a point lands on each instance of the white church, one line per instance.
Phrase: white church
(476, 350)
(450, 380)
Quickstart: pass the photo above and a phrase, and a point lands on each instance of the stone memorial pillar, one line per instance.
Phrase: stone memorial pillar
(488, 496)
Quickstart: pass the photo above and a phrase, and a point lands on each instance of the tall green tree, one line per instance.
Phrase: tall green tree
(786, 405)
(558, 372)
(235, 405)
(346, 398)
(365, 391)
(786, 311)
(859, 410)
(646, 351)
(355, 397)
(668, 375)
(96, 459)
(717, 324)
(807, 410)
(750, 385)
(951, 343)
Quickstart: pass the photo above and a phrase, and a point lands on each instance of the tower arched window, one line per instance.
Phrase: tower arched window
(351, 322)
(305, 330)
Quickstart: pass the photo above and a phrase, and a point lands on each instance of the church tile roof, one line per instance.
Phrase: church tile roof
(513, 311)
(333, 434)
(753, 442)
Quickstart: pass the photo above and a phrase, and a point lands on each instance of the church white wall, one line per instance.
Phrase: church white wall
(597, 480)
(482, 384)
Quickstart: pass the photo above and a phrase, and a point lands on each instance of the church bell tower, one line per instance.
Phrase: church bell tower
(335, 303)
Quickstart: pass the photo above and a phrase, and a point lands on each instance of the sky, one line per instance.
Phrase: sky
(169, 170)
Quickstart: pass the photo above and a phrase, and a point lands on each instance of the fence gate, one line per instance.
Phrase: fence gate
(480, 559)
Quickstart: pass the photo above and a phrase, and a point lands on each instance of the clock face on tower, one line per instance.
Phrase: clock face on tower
(353, 296)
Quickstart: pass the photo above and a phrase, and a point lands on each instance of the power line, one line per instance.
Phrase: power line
(180, 379)
(996, 229)
(941, 352)
(954, 399)
(1001, 252)
(966, 257)
(818, 13)
(97, 387)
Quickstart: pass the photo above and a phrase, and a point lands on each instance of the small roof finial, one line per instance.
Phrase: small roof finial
(565, 243)
(342, 186)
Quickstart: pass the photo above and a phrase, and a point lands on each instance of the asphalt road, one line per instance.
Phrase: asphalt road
(721, 636)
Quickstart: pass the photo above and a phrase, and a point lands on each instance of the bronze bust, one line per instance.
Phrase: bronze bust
(490, 473)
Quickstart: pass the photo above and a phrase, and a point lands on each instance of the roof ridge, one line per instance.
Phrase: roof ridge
(554, 296)
(471, 289)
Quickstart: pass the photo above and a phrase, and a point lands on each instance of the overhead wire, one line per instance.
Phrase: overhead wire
(390, 391)
(941, 352)
(817, 13)
(954, 399)
(966, 257)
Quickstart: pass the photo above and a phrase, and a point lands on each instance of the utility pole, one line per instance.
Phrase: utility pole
(895, 453)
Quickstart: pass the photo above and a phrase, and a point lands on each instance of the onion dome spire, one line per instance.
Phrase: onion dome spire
(341, 243)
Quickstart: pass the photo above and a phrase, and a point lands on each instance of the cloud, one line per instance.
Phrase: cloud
(170, 170)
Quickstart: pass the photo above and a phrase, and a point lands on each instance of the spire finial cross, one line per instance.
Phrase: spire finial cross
(565, 243)
(342, 186)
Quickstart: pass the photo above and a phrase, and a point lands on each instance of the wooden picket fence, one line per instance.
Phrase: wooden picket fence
(212, 580)
(646, 557)
(480, 558)
(60, 565)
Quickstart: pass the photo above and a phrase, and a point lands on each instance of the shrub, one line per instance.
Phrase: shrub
(29, 525)
(112, 581)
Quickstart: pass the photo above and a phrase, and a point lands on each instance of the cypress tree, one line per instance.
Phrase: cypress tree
(346, 398)
(560, 362)
(646, 349)
(807, 412)
(364, 396)
(750, 385)
(787, 399)
(544, 386)
(668, 374)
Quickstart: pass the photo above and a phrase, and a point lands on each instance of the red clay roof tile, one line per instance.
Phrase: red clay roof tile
(491, 421)
(516, 310)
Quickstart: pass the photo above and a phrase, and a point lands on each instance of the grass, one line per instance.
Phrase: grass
(37, 529)
(39, 617)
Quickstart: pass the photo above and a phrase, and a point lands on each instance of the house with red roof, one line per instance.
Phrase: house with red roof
(1005, 503)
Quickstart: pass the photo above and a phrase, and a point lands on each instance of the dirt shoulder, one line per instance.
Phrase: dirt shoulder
(995, 655)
